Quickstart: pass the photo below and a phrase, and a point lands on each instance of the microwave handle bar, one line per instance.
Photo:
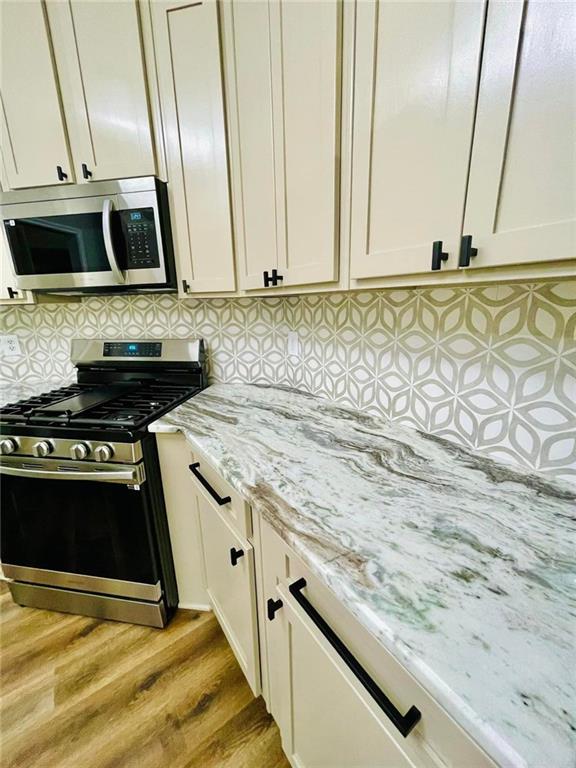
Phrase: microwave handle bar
(119, 276)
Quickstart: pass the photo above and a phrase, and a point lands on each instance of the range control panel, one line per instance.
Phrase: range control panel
(132, 349)
(139, 230)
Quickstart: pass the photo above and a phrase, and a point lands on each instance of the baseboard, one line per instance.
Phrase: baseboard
(194, 607)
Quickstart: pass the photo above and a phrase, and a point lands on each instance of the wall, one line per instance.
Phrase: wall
(492, 368)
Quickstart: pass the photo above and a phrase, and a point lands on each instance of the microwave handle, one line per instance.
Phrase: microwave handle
(119, 276)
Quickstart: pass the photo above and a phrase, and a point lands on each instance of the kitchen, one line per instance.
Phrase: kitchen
(288, 420)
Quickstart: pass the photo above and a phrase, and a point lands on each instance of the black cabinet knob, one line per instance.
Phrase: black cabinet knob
(235, 555)
(272, 278)
(61, 175)
(467, 252)
(272, 606)
(85, 172)
(438, 255)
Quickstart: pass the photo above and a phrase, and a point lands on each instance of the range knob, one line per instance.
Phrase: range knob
(8, 446)
(42, 449)
(104, 453)
(79, 451)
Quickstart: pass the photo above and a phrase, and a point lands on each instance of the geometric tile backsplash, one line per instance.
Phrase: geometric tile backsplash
(490, 367)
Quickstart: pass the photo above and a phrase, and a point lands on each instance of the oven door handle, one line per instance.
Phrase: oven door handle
(117, 273)
(126, 476)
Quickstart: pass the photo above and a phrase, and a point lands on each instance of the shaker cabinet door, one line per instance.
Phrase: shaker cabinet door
(100, 61)
(521, 204)
(416, 72)
(231, 587)
(33, 135)
(188, 60)
(283, 77)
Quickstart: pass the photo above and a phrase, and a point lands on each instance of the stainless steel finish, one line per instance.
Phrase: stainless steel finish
(107, 209)
(8, 445)
(42, 449)
(103, 453)
(86, 198)
(53, 469)
(124, 453)
(87, 351)
(83, 583)
(100, 606)
(79, 451)
(95, 188)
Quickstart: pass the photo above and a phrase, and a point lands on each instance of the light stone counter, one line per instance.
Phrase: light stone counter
(462, 567)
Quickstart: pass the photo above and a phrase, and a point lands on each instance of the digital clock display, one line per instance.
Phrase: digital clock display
(135, 215)
(132, 349)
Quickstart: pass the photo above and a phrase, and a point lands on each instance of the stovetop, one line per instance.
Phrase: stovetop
(119, 411)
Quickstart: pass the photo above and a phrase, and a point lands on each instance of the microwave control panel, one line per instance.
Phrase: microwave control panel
(139, 230)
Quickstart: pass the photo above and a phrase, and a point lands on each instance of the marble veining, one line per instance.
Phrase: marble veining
(462, 567)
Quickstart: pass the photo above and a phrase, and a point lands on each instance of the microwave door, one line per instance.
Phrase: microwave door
(61, 244)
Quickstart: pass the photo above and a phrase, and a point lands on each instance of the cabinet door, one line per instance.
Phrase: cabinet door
(521, 205)
(231, 588)
(33, 134)
(189, 68)
(334, 722)
(416, 75)
(284, 76)
(100, 62)
(9, 293)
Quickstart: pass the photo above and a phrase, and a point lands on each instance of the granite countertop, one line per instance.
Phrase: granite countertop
(462, 567)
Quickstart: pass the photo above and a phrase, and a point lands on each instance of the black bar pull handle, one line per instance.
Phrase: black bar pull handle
(272, 606)
(12, 293)
(220, 500)
(85, 172)
(61, 175)
(438, 255)
(185, 286)
(235, 555)
(404, 723)
(467, 252)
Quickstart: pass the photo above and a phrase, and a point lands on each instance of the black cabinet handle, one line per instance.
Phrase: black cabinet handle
(61, 175)
(467, 252)
(220, 500)
(273, 278)
(272, 606)
(12, 294)
(438, 255)
(85, 172)
(235, 555)
(404, 723)
(185, 286)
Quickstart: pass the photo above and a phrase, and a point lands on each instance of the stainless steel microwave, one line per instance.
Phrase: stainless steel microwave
(109, 236)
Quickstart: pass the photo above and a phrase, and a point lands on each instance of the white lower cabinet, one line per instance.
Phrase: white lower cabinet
(231, 587)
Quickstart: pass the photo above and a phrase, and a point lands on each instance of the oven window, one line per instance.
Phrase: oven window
(51, 245)
(78, 526)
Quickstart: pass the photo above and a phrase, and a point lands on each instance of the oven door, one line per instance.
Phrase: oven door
(79, 525)
(88, 242)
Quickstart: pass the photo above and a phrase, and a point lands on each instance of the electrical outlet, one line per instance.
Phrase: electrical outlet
(9, 345)
(293, 344)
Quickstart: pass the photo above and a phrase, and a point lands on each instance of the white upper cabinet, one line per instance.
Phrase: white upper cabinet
(33, 135)
(416, 74)
(187, 47)
(283, 84)
(521, 205)
(99, 54)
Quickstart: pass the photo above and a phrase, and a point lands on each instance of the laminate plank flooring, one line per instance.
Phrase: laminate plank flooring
(77, 692)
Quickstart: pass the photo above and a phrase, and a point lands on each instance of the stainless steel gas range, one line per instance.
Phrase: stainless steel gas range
(83, 524)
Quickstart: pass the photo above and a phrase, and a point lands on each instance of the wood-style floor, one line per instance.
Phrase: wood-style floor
(82, 693)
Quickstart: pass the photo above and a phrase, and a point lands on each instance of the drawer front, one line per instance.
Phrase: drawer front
(220, 493)
(231, 587)
(436, 739)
